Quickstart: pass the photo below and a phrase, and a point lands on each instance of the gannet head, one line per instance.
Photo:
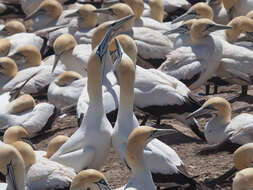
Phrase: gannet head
(137, 6)
(229, 6)
(89, 179)
(119, 10)
(243, 156)
(64, 44)
(127, 44)
(21, 104)
(120, 25)
(243, 179)
(88, 16)
(241, 24)
(30, 53)
(138, 139)
(183, 29)
(8, 67)
(12, 165)
(5, 45)
(203, 27)
(54, 144)
(157, 9)
(250, 14)
(216, 105)
(51, 8)
(26, 152)
(199, 10)
(15, 133)
(67, 78)
(13, 27)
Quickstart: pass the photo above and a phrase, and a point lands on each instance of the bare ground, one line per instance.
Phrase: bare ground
(185, 143)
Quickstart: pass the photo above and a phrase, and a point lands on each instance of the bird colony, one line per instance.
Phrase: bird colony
(126, 94)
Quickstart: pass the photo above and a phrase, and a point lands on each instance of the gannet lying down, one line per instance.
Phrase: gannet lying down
(221, 129)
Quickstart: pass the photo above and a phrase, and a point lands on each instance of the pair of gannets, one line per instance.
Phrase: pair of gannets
(141, 178)
(24, 111)
(24, 171)
(221, 129)
(236, 58)
(18, 133)
(92, 140)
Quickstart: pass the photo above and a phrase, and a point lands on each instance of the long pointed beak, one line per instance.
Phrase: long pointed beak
(181, 30)
(185, 17)
(11, 174)
(107, 11)
(119, 51)
(162, 132)
(74, 14)
(34, 14)
(199, 112)
(45, 31)
(56, 60)
(118, 23)
(14, 93)
(216, 27)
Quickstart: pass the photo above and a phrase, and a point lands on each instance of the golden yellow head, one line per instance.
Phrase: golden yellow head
(243, 156)
(8, 67)
(137, 6)
(203, 10)
(241, 24)
(127, 44)
(15, 133)
(52, 8)
(21, 104)
(31, 54)
(67, 78)
(221, 105)
(89, 17)
(121, 10)
(14, 27)
(86, 178)
(26, 152)
(243, 179)
(10, 155)
(5, 45)
(55, 144)
(157, 9)
(64, 43)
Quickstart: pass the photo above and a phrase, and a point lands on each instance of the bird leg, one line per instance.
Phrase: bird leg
(207, 89)
(244, 90)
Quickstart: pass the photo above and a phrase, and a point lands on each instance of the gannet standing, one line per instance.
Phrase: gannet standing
(196, 63)
(167, 161)
(92, 140)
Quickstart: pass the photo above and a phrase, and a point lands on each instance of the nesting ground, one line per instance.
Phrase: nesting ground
(184, 142)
